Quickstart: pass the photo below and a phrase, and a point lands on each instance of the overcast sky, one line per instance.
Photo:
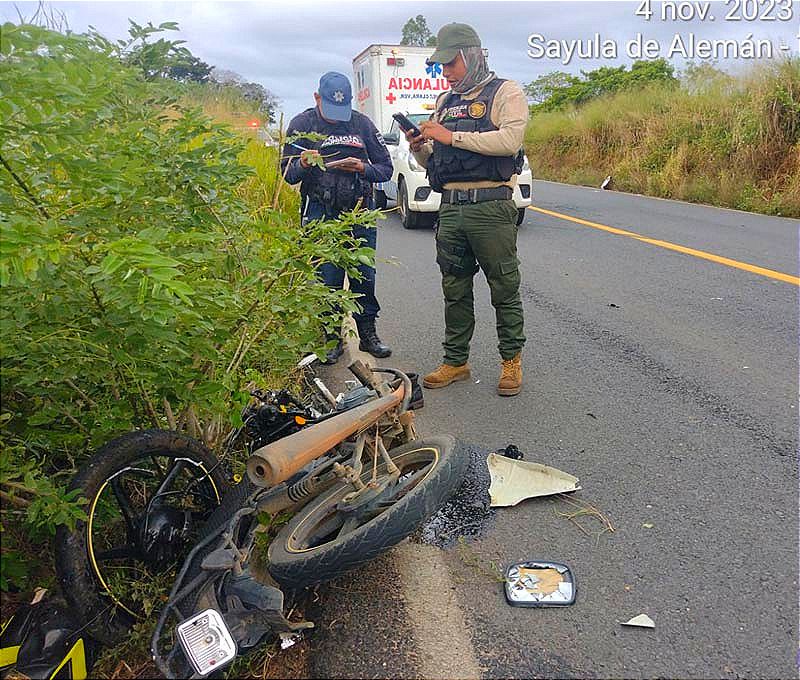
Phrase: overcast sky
(286, 46)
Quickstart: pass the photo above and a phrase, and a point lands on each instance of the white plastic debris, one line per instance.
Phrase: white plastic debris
(642, 621)
(289, 639)
(515, 480)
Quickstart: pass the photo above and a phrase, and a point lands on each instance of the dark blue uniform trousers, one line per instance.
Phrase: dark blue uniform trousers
(333, 276)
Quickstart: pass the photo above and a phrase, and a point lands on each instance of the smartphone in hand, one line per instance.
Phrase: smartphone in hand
(405, 124)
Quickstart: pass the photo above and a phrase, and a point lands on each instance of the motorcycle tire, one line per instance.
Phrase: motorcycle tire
(295, 566)
(104, 616)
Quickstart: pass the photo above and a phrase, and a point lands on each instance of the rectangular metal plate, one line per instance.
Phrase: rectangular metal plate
(540, 584)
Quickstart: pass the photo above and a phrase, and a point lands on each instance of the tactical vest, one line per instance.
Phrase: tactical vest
(338, 190)
(449, 164)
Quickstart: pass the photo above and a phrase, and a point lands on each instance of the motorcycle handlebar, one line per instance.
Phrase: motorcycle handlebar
(406, 384)
(366, 376)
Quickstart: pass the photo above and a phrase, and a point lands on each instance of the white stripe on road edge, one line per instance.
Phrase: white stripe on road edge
(440, 629)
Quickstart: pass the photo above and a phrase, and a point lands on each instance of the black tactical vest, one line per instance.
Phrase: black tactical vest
(338, 190)
(449, 164)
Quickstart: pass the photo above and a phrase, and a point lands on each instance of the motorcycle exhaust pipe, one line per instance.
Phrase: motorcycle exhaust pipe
(278, 461)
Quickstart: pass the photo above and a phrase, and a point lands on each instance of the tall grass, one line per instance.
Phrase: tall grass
(265, 190)
(222, 103)
(728, 142)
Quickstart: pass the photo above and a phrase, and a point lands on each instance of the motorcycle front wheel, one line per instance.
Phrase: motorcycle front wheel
(323, 541)
(149, 494)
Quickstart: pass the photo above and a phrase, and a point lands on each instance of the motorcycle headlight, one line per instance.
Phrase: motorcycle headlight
(413, 165)
(525, 164)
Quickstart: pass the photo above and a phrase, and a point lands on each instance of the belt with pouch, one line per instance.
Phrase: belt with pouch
(460, 196)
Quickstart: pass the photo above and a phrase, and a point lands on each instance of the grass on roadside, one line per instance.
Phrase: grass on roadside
(732, 143)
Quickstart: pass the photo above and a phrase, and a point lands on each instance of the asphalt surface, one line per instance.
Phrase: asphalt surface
(668, 384)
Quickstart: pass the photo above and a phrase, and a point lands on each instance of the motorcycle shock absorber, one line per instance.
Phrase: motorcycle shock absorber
(312, 484)
(297, 493)
(299, 490)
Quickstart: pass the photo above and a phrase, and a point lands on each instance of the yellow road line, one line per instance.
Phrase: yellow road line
(753, 269)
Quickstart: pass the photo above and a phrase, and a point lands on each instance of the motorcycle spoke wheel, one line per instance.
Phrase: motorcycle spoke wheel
(145, 491)
(149, 494)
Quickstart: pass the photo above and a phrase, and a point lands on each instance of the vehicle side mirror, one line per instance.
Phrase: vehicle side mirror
(392, 138)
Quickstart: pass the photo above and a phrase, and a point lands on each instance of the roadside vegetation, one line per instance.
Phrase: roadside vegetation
(705, 137)
(152, 263)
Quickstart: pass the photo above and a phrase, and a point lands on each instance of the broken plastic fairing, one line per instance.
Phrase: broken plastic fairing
(516, 480)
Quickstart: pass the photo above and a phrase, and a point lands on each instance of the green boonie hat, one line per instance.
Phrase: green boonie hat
(451, 39)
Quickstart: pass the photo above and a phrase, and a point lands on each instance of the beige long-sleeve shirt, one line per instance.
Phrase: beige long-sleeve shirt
(509, 114)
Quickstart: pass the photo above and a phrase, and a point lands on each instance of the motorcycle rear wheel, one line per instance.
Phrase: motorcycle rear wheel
(317, 545)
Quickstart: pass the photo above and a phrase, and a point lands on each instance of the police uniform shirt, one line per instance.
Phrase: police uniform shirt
(509, 114)
(377, 169)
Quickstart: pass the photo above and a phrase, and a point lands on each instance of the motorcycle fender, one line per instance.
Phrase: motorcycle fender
(74, 666)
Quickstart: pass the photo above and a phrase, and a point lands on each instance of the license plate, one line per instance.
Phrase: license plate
(206, 641)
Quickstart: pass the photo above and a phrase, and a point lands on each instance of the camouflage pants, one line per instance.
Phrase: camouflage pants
(472, 236)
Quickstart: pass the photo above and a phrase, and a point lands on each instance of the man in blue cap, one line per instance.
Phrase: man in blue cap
(355, 158)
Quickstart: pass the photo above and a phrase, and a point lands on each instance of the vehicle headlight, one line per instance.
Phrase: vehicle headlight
(413, 165)
(525, 164)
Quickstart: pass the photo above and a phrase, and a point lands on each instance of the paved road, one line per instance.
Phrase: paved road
(667, 382)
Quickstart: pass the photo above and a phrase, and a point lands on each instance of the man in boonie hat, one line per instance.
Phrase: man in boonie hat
(355, 157)
(472, 149)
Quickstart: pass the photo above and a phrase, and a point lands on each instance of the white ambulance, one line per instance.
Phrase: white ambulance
(395, 78)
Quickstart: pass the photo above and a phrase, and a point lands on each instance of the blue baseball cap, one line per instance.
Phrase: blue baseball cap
(336, 95)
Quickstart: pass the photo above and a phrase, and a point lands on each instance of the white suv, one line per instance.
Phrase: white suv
(417, 204)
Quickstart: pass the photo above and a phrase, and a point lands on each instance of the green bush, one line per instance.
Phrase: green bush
(151, 260)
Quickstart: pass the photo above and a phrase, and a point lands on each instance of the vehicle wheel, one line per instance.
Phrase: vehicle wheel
(321, 542)
(409, 219)
(149, 494)
(520, 215)
(379, 199)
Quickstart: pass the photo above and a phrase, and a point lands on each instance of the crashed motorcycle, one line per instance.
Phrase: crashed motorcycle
(343, 483)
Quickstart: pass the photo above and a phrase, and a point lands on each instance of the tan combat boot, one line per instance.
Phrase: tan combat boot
(510, 377)
(445, 374)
